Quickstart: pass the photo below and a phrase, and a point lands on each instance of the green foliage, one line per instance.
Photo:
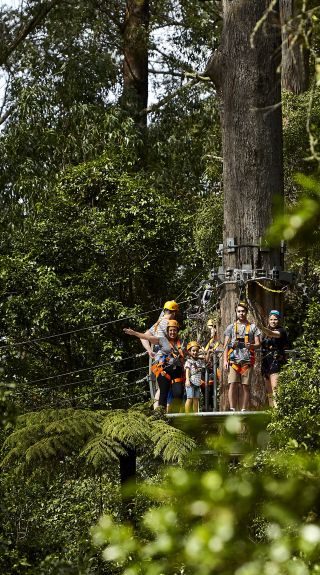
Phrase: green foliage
(98, 437)
(241, 521)
(208, 228)
(7, 407)
(301, 222)
(45, 524)
(296, 421)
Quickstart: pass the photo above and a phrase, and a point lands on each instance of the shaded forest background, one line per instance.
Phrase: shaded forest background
(108, 208)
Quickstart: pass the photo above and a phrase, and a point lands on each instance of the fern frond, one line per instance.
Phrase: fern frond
(130, 427)
(43, 416)
(172, 444)
(54, 447)
(24, 437)
(101, 451)
(79, 423)
(11, 458)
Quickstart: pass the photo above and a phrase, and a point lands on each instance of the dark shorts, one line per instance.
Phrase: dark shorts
(271, 365)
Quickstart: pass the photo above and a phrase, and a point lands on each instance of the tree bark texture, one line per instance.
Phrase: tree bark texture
(252, 149)
(295, 55)
(135, 66)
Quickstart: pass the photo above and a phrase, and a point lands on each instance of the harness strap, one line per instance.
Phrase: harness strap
(175, 380)
(235, 366)
(242, 369)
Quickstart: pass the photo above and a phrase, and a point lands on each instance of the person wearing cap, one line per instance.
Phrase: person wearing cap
(274, 344)
(241, 339)
(168, 366)
(193, 368)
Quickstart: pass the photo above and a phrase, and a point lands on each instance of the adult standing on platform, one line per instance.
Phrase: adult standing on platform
(274, 343)
(159, 329)
(241, 339)
(168, 366)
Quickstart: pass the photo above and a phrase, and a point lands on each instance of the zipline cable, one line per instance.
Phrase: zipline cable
(82, 370)
(83, 381)
(188, 286)
(103, 324)
(118, 398)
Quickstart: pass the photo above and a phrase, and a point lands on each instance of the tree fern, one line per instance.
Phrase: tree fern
(100, 437)
(100, 451)
(132, 428)
(172, 444)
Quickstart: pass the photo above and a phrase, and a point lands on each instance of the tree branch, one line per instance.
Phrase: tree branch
(214, 68)
(166, 99)
(6, 115)
(182, 74)
(44, 10)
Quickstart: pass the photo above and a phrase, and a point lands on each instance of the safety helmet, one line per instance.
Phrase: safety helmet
(192, 344)
(211, 323)
(173, 323)
(171, 305)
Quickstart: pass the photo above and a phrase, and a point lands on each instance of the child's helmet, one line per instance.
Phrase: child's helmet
(192, 344)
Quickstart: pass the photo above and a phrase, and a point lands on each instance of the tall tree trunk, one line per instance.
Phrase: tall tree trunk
(295, 55)
(250, 90)
(128, 468)
(135, 66)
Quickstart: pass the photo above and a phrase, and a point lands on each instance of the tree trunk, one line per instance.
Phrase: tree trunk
(135, 66)
(128, 468)
(252, 149)
(295, 55)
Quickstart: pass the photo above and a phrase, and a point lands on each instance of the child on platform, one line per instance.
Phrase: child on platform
(193, 368)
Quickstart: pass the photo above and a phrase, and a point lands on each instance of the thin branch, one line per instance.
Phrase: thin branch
(182, 74)
(44, 10)
(261, 21)
(166, 99)
(6, 115)
(4, 100)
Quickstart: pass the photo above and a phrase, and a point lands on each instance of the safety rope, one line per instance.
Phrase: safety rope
(98, 325)
(282, 290)
(105, 389)
(81, 371)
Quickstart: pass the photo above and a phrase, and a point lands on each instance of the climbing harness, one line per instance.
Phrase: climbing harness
(159, 367)
(238, 367)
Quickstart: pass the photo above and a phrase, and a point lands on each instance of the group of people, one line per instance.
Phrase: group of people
(180, 371)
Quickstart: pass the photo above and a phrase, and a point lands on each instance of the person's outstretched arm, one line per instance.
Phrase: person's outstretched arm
(146, 345)
(142, 336)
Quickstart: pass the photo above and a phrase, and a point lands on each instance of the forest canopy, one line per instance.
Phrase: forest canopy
(112, 176)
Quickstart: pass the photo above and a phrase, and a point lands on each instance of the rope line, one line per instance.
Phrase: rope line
(103, 324)
(189, 285)
(271, 290)
(80, 371)
(89, 381)
(66, 401)
(86, 368)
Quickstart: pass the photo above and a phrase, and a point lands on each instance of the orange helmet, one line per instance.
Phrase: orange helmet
(192, 344)
(171, 305)
(173, 323)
